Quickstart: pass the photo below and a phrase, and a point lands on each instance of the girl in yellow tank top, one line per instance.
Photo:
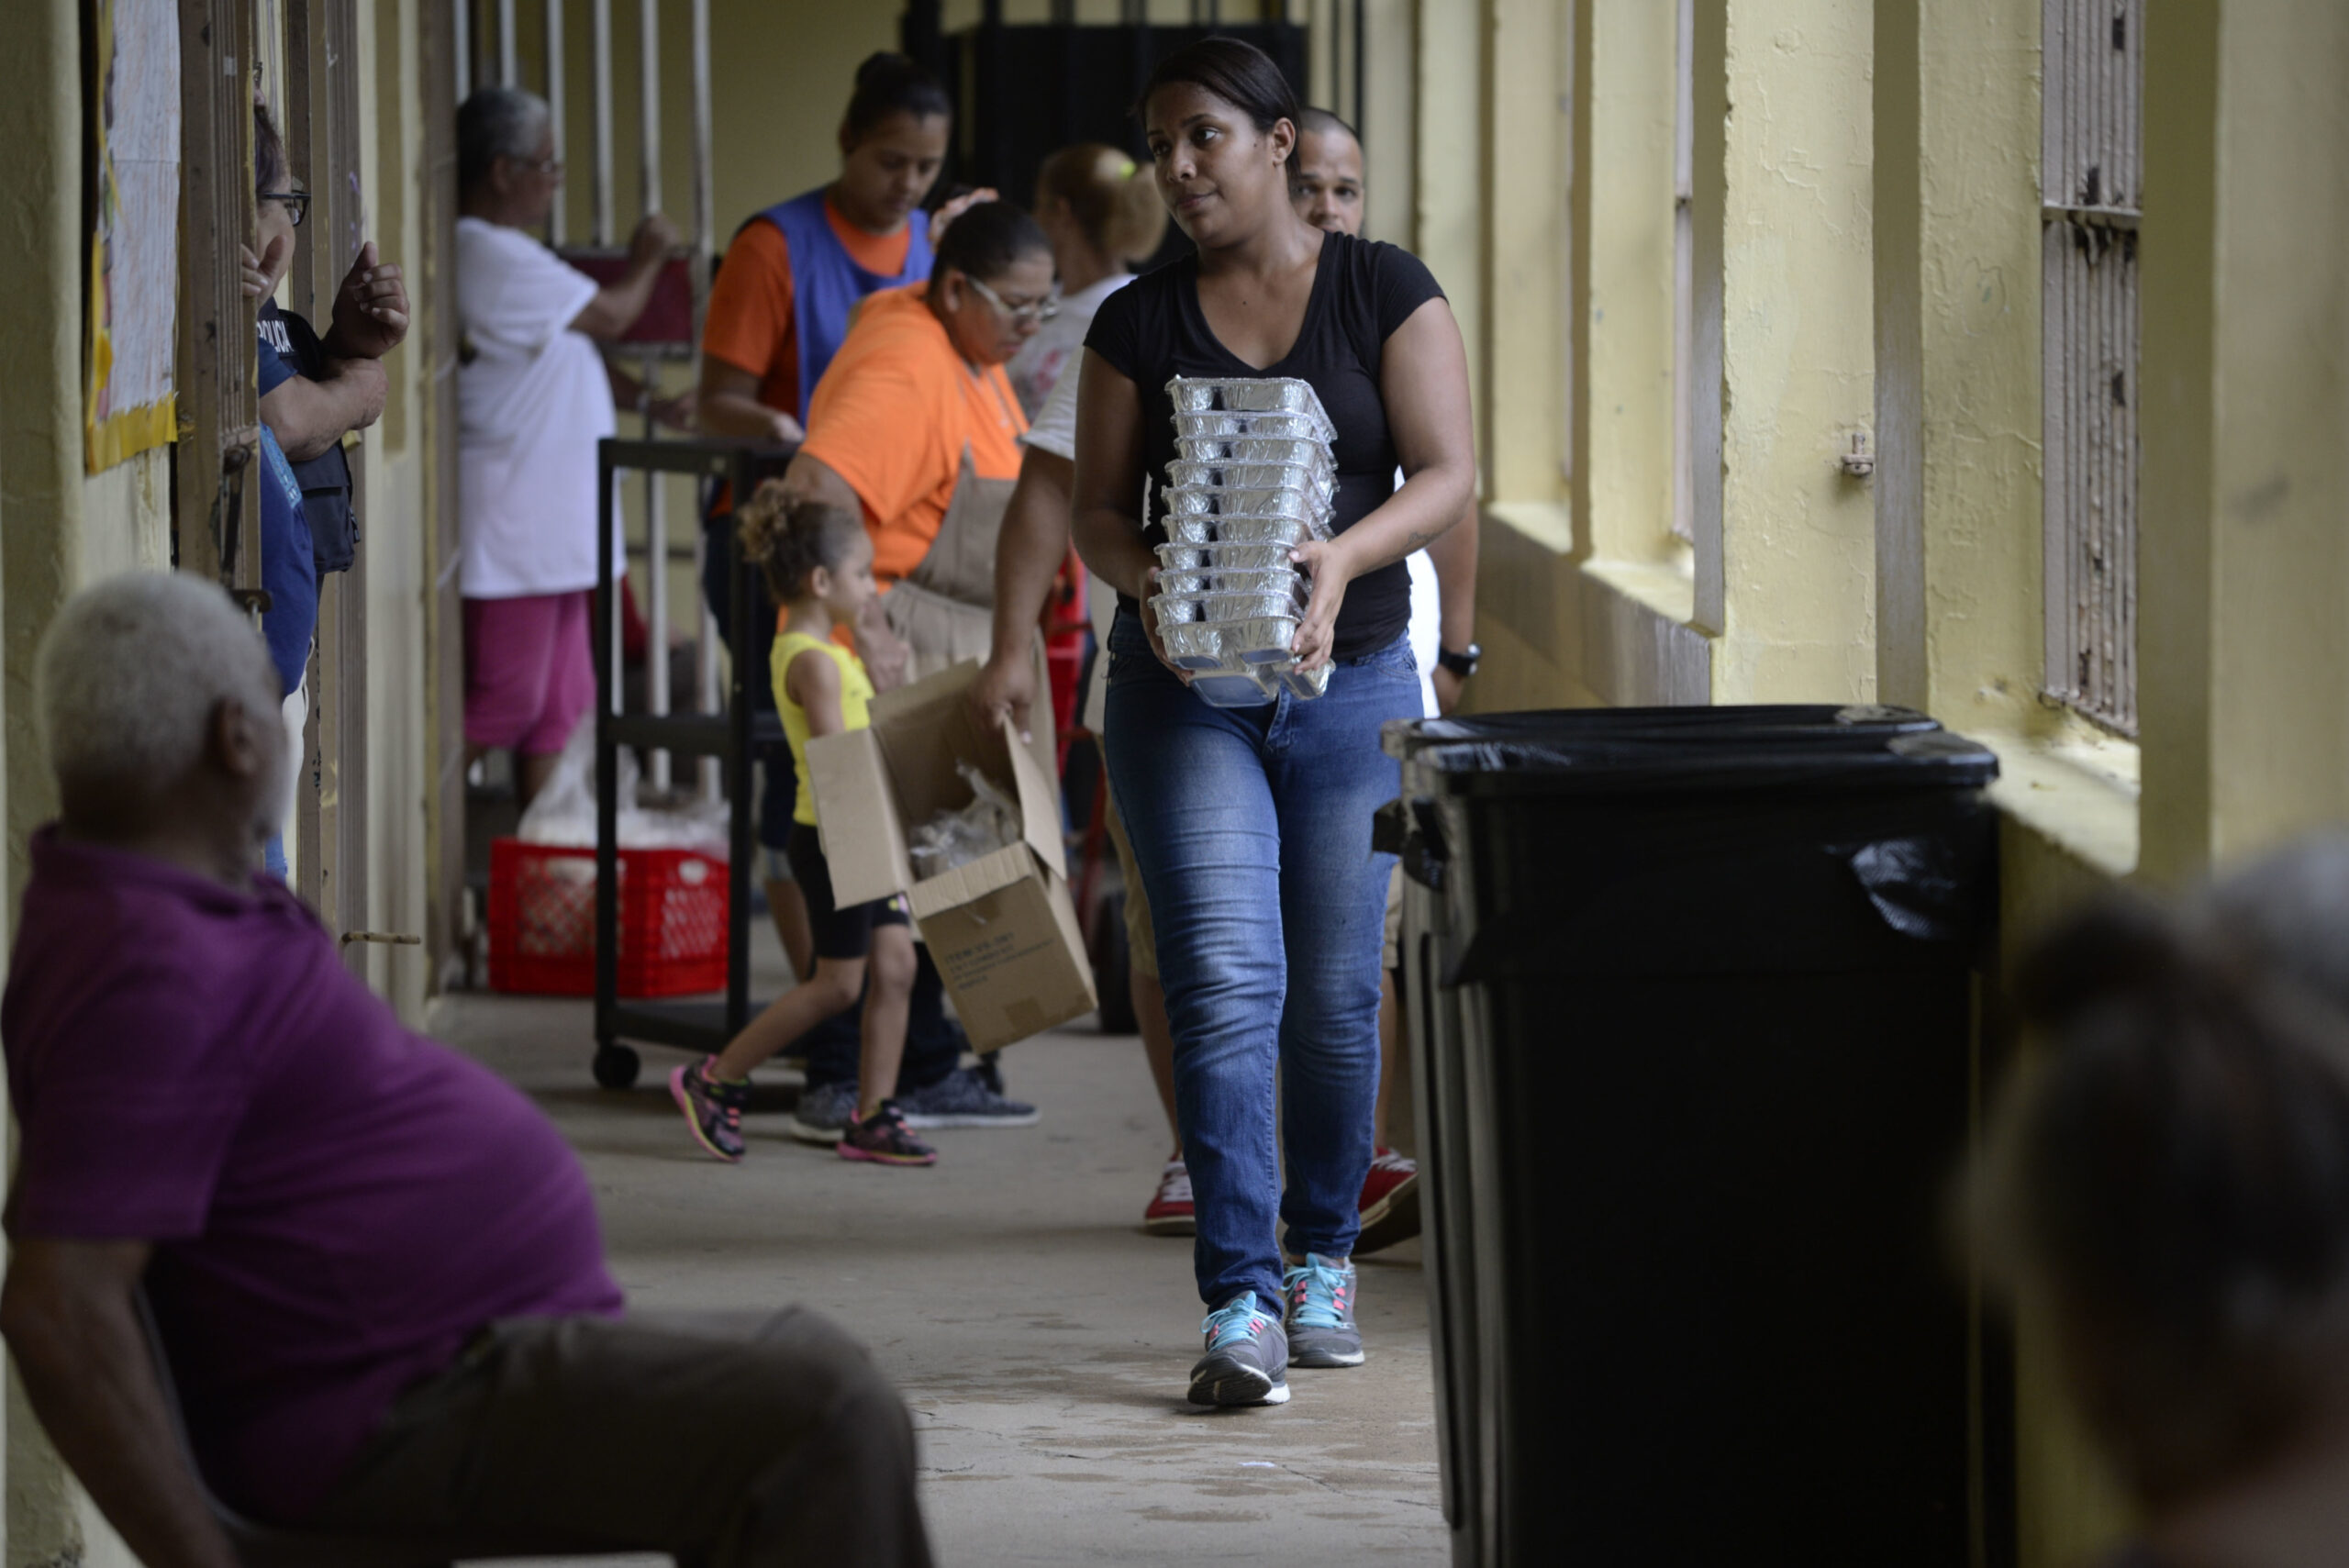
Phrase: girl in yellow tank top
(819, 564)
(855, 697)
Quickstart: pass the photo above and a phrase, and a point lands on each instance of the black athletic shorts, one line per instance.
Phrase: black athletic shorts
(840, 933)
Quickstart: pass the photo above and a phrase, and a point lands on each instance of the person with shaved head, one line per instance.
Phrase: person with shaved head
(375, 1267)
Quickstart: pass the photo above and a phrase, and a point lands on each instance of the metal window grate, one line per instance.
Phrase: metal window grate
(2091, 184)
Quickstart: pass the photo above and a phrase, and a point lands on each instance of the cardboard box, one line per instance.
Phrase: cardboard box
(1003, 929)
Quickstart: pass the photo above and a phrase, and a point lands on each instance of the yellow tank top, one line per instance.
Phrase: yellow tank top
(856, 698)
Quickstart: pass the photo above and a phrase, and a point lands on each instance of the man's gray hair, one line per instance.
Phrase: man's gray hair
(132, 670)
(2291, 906)
(494, 123)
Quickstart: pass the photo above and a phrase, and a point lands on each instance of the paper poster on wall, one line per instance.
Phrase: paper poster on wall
(128, 401)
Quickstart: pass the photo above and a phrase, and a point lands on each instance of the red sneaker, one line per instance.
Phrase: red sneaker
(1169, 1213)
(1390, 1202)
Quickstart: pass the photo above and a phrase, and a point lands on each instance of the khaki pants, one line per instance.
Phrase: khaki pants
(727, 1441)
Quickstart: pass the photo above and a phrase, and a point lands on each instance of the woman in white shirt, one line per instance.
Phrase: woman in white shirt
(1101, 213)
(533, 399)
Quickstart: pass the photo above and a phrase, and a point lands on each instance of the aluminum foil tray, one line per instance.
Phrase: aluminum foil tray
(1205, 645)
(1306, 478)
(1210, 500)
(1247, 394)
(1282, 579)
(1230, 689)
(1250, 678)
(1306, 684)
(1307, 455)
(1226, 426)
(1239, 531)
(1224, 557)
(1302, 450)
(1224, 608)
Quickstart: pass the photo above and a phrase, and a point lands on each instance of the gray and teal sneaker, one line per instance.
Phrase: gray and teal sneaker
(1247, 1359)
(1320, 1315)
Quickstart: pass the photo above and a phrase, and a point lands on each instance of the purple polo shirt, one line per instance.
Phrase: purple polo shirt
(336, 1205)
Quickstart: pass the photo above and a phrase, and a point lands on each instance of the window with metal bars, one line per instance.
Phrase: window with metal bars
(2091, 182)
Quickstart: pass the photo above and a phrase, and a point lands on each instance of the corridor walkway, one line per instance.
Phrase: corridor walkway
(1039, 1336)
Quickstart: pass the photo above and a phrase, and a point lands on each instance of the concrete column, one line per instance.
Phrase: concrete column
(1621, 298)
(1958, 381)
(1526, 174)
(1449, 225)
(2243, 544)
(1389, 123)
(1785, 540)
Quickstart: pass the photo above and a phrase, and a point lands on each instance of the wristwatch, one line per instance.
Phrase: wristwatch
(1463, 664)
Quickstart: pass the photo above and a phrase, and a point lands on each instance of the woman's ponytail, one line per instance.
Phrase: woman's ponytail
(1114, 200)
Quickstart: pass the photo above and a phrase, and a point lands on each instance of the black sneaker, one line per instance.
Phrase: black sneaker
(823, 1113)
(1247, 1359)
(961, 1098)
(713, 1109)
(882, 1139)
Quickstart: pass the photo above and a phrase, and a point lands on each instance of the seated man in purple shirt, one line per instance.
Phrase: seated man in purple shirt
(375, 1266)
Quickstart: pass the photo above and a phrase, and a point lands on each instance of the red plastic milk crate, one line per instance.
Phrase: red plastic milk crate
(542, 921)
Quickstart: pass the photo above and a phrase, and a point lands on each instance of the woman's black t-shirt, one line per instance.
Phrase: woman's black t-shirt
(1152, 330)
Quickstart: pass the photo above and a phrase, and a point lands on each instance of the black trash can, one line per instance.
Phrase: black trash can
(1693, 996)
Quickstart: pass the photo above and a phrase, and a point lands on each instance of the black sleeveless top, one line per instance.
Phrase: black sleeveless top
(1152, 330)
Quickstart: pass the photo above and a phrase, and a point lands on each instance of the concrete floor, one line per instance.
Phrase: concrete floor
(1039, 1336)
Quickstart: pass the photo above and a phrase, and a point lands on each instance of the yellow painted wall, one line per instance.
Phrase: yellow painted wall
(59, 528)
(1873, 196)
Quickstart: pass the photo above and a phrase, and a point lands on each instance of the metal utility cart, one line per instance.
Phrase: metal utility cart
(729, 736)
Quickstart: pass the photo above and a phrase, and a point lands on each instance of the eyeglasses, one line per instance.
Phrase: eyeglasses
(1035, 310)
(297, 203)
(545, 166)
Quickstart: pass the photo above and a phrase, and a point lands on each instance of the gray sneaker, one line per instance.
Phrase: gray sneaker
(1320, 1315)
(1247, 1359)
(962, 1099)
(823, 1113)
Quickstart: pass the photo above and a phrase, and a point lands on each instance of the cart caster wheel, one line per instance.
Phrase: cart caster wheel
(617, 1067)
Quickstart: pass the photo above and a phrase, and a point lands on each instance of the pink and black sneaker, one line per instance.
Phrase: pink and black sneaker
(883, 1138)
(713, 1109)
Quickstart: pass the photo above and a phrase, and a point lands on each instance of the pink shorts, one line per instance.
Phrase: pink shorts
(530, 670)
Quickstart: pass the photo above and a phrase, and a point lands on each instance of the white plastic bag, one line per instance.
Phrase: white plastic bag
(564, 811)
(952, 838)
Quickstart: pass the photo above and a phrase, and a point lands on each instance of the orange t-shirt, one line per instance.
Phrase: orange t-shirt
(892, 417)
(749, 323)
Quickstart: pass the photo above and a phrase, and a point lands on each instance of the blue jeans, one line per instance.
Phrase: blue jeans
(1251, 828)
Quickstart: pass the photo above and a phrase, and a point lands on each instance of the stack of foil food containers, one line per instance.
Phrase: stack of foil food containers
(1253, 479)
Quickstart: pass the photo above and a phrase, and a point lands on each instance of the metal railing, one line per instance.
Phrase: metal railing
(602, 233)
